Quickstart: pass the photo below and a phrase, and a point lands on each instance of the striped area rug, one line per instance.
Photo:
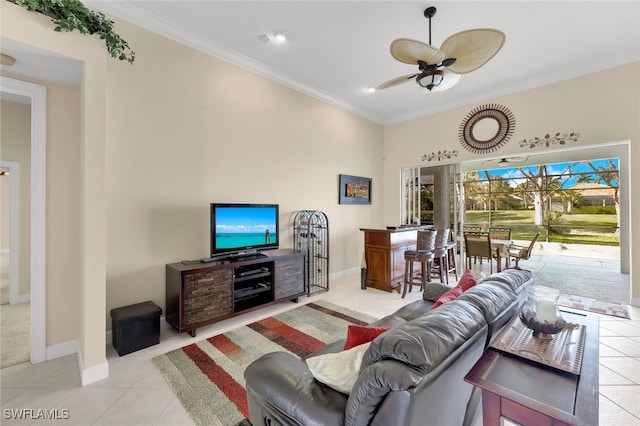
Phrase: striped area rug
(207, 376)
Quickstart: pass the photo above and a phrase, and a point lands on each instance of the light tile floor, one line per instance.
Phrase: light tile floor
(135, 393)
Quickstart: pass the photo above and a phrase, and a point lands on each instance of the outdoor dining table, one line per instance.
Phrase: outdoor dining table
(501, 248)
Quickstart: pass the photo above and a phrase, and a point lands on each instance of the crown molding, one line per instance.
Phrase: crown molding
(150, 22)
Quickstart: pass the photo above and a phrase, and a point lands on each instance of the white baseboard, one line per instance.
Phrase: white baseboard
(345, 273)
(62, 349)
(635, 302)
(87, 375)
(92, 374)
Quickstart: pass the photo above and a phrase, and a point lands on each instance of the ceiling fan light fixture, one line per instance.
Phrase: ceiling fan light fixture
(461, 53)
(430, 79)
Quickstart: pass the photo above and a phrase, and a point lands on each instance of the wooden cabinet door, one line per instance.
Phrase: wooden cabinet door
(208, 294)
(289, 276)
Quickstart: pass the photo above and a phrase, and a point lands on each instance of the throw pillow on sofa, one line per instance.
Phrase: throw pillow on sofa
(467, 280)
(338, 370)
(448, 296)
(359, 334)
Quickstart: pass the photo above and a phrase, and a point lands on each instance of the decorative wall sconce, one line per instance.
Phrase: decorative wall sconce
(550, 140)
(440, 155)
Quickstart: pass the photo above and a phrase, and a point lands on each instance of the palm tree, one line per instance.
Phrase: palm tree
(543, 187)
(570, 197)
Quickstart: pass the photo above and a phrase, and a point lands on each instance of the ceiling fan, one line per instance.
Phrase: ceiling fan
(440, 69)
(507, 161)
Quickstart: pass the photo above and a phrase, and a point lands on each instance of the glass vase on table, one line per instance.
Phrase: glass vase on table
(540, 312)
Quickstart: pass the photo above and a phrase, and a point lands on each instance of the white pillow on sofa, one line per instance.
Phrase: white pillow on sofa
(338, 370)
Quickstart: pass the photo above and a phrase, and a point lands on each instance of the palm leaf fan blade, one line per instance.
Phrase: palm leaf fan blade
(411, 51)
(472, 48)
(396, 81)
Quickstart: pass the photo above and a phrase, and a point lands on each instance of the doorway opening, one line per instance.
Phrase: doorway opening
(36, 96)
(597, 271)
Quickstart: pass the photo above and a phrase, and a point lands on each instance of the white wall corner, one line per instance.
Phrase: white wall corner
(92, 374)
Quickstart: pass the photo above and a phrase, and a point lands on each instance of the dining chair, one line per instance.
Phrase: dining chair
(470, 228)
(519, 252)
(425, 246)
(478, 245)
(500, 233)
(503, 234)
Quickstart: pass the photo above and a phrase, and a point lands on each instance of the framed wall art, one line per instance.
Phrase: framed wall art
(354, 190)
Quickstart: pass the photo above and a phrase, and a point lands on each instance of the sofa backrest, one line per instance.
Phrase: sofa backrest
(499, 297)
(425, 341)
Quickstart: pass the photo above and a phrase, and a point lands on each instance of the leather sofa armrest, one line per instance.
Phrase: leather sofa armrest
(375, 384)
(281, 387)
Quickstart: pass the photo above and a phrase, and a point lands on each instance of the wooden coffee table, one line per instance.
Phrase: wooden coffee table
(530, 393)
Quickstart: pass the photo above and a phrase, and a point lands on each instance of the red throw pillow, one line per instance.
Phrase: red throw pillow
(448, 296)
(359, 334)
(467, 280)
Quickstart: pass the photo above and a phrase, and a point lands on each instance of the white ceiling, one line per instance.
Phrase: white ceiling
(336, 49)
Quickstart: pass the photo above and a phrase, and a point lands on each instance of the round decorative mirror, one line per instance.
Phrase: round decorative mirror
(486, 128)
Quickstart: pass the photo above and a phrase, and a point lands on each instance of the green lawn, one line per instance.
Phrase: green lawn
(598, 229)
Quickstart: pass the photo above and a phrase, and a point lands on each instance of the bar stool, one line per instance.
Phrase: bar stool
(441, 255)
(425, 246)
(452, 255)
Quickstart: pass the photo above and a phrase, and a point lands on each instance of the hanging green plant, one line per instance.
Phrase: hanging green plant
(69, 15)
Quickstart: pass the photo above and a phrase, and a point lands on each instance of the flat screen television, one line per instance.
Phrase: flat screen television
(243, 228)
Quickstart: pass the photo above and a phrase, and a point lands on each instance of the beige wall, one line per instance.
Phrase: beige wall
(602, 114)
(185, 130)
(64, 214)
(15, 145)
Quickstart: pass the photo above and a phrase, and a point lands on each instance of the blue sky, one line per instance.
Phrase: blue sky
(557, 168)
(246, 219)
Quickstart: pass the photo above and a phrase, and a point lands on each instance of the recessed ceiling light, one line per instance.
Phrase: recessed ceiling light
(266, 38)
(370, 89)
(280, 36)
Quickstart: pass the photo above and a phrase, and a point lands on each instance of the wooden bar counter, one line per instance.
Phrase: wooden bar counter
(384, 255)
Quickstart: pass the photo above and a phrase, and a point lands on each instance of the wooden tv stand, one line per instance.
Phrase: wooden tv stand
(199, 294)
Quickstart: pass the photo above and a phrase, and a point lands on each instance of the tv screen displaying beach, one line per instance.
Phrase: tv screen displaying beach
(241, 227)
